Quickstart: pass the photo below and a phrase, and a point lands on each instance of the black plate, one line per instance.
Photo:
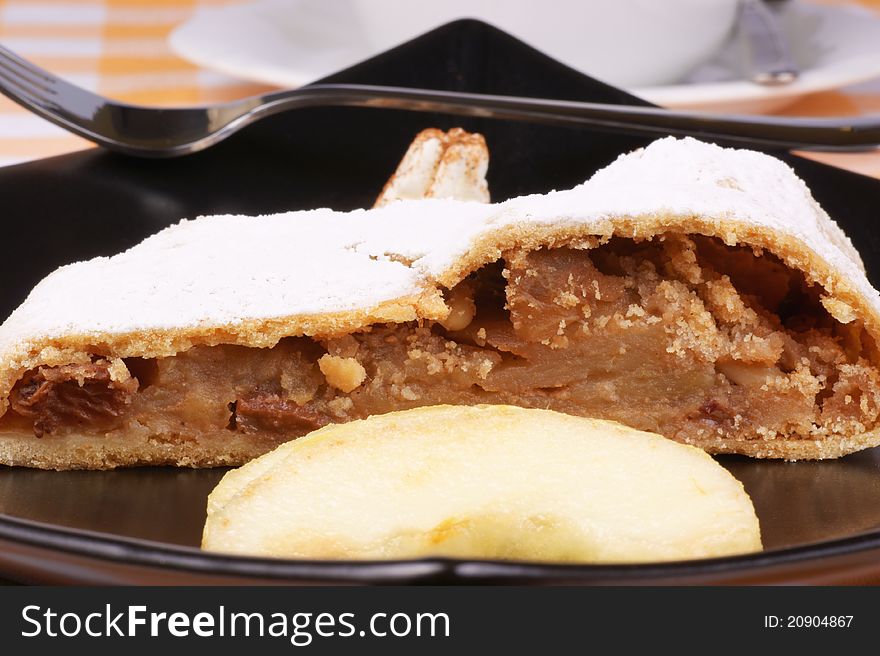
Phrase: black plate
(820, 520)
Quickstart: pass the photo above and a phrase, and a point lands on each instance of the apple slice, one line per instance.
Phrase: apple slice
(482, 482)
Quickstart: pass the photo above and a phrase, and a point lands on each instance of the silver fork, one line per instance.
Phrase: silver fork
(169, 132)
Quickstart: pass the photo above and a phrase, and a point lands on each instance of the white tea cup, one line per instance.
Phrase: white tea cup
(624, 42)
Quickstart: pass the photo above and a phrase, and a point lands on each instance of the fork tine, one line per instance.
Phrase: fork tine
(50, 96)
(18, 87)
(26, 68)
(38, 86)
(45, 87)
(24, 83)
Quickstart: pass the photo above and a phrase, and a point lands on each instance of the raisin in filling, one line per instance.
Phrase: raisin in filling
(84, 396)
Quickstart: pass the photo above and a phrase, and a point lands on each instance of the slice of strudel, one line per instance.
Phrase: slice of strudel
(685, 289)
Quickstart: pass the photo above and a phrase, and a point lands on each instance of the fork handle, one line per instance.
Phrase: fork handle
(830, 134)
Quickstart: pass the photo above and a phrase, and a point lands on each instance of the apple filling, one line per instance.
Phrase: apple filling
(684, 336)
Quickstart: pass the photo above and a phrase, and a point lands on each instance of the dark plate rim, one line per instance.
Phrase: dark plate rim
(153, 554)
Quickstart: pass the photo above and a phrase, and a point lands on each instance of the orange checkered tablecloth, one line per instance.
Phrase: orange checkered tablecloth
(119, 49)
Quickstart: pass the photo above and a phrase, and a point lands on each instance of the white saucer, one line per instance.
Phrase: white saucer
(835, 46)
(289, 44)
